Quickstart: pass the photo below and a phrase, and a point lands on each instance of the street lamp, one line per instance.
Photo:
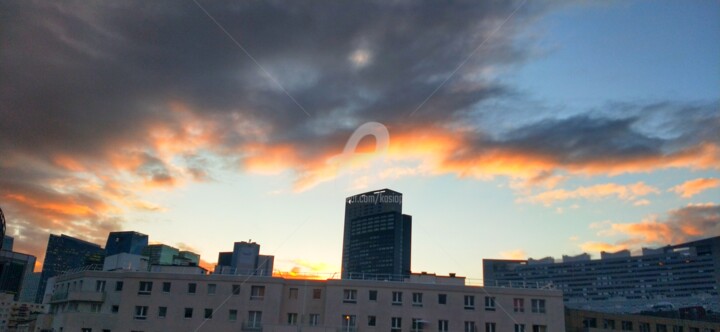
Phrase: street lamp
(347, 319)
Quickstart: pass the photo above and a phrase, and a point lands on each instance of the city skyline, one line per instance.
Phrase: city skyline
(513, 129)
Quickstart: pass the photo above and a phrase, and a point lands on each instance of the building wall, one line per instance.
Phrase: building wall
(76, 295)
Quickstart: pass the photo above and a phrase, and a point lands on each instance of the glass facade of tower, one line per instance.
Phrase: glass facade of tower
(126, 242)
(65, 253)
(377, 236)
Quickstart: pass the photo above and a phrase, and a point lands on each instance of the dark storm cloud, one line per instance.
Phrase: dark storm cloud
(108, 88)
(78, 76)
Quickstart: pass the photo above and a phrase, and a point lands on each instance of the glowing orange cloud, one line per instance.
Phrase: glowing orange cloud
(434, 151)
(681, 225)
(601, 246)
(514, 254)
(626, 192)
(693, 187)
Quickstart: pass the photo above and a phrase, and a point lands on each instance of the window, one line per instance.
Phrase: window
(442, 298)
(292, 318)
(371, 321)
(677, 328)
(257, 292)
(397, 298)
(314, 319)
(539, 328)
(470, 326)
(538, 306)
(417, 325)
(145, 288)
(589, 322)
(166, 287)
(162, 312)
(232, 315)
(208, 313)
(236, 289)
(443, 325)
(417, 299)
(254, 319)
(519, 327)
(396, 324)
(490, 327)
(118, 286)
(293, 294)
(188, 312)
(114, 309)
(372, 295)
(317, 293)
(350, 295)
(348, 321)
(490, 303)
(519, 305)
(211, 289)
(141, 312)
(192, 287)
(660, 328)
(95, 307)
(644, 327)
(626, 325)
(469, 302)
(608, 324)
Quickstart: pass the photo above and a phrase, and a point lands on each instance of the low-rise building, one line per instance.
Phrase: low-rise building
(594, 321)
(154, 301)
(18, 316)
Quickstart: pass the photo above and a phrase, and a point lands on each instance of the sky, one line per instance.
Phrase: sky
(515, 129)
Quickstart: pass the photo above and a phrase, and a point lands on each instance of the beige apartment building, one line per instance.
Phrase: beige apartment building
(131, 301)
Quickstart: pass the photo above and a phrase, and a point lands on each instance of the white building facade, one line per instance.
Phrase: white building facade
(131, 301)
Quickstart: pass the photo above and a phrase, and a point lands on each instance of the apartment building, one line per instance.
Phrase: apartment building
(103, 301)
(683, 274)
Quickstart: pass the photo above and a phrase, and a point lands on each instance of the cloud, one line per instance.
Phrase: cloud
(514, 254)
(625, 192)
(685, 224)
(693, 187)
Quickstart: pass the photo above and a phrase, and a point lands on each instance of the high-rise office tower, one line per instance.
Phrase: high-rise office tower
(125, 242)
(65, 253)
(377, 236)
(245, 259)
(16, 272)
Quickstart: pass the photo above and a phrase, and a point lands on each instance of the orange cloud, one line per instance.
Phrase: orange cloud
(625, 192)
(681, 225)
(514, 254)
(601, 246)
(693, 187)
(435, 151)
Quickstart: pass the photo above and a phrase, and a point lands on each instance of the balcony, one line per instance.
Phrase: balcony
(347, 329)
(79, 296)
(252, 326)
